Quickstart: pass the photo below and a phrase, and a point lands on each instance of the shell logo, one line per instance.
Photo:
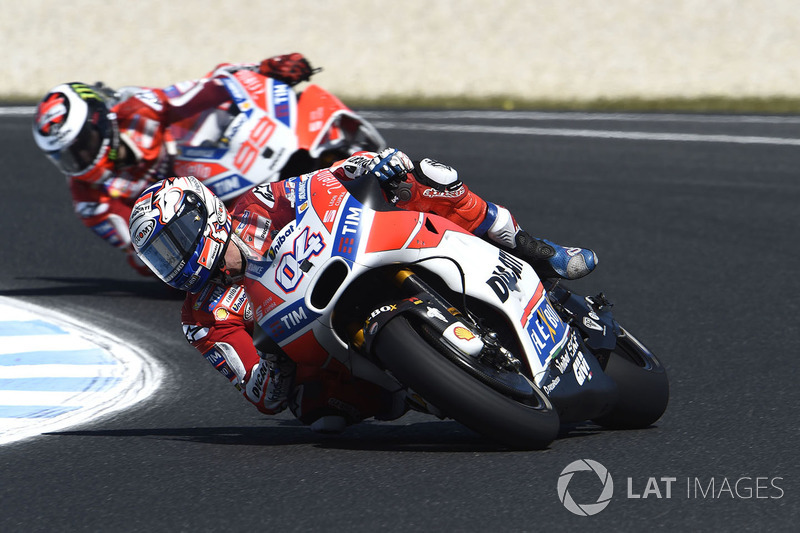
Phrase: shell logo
(463, 333)
(221, 313)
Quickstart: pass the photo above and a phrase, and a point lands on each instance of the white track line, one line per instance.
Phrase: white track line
(392, 120)
(598, 134)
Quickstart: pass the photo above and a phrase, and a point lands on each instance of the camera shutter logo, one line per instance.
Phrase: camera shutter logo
(585, 509)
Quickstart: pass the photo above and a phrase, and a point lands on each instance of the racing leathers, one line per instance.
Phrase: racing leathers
(218, 321)
(103, 195)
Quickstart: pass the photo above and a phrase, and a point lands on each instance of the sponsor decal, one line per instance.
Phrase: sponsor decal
(288, 189)
(261, 227)
(51, 114)
(192, 280)
(288, 273)
(234, 89)
(291, 320)
(241, 301)
(143, 232)
(383, 309)
(182, 87)
(90, 209)
(435, 313)
(149, 98)
(211, 250)
(228, 185)
(547, 332)
(107, 231)
(581, 369)
(234, 127)
(570, 349)
(256, 269)
(220, 363)
(281, 102)
(264, 301)
(265, 194)
(258, 381)
(434, 193)
(348, 235)
(552, 385)
(346, 245)
(505, 276)
(278, 241)
(194, 333)
(463, 333)
(85, 92)
(591, 324)
(330, 216)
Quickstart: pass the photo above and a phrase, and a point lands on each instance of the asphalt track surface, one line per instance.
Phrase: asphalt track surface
(695, 221)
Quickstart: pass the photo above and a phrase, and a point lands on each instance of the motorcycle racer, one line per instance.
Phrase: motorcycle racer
(111, 146)
(190, 241)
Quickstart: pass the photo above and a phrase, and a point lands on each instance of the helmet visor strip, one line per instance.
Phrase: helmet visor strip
(168, 252)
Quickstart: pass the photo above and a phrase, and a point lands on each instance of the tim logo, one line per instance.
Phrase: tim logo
(349, 232)
(280, 102)
(346, 245)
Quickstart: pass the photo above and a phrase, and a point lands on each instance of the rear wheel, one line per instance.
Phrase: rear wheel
(641, 382)
(521, 422)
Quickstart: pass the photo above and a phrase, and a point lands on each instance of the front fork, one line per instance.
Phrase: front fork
(458, 330)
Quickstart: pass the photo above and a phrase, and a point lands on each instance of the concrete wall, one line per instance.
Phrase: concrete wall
(533, 49)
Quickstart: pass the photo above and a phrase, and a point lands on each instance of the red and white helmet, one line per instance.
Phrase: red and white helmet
(75, 128)
(180, 230)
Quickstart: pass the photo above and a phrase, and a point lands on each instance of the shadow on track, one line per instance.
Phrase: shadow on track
(437, 436)
(434, 436)
(66, 286)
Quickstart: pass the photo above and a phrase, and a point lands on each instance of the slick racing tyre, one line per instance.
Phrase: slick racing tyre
(642, 384)
(530, 423)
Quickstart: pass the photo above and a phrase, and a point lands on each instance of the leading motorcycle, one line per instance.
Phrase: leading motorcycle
(414, 303)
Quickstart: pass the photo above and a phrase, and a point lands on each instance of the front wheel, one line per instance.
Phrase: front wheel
(529, 423)
(642, 384)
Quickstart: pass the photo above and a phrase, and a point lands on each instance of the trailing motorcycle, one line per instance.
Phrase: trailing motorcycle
(410, 301)
(267, 132)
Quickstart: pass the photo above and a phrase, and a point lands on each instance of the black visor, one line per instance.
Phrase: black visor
(87, 146)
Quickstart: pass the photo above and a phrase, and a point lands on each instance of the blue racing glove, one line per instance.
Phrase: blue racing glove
(390, 166)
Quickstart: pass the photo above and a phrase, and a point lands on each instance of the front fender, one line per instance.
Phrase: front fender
(415, 305)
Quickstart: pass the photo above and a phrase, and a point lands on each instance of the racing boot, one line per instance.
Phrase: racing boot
(549, 259)
(272, 382)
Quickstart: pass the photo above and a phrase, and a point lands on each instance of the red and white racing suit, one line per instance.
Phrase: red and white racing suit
(104, 195)
(218, 321)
